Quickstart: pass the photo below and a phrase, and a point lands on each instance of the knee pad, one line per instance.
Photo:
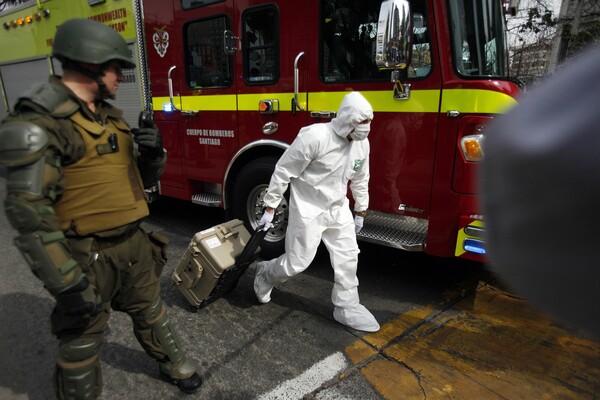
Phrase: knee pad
(155, 318)
(78, 374)
(163, 331)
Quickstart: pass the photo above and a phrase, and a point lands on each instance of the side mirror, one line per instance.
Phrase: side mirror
(394, 35)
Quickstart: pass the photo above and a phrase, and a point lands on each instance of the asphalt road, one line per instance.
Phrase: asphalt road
(290, 348)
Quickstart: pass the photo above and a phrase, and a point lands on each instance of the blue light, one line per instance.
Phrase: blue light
(167, 107)
(474, 246)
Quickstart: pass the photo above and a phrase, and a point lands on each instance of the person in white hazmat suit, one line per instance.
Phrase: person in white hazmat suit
(318, 166)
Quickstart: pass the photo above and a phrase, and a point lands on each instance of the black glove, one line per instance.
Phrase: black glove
(149, 141)
(81, 299)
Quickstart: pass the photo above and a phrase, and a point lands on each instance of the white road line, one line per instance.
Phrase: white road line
(309, 380)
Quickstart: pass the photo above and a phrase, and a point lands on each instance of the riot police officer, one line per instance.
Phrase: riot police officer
(75, 194)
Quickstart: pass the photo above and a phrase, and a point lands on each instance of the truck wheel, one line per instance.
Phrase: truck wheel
(248, 192)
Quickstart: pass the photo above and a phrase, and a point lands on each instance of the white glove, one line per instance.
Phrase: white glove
(358, 223)
(267, 220)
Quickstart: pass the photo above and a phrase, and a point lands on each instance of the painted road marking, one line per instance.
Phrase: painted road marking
(359, 352)
(309, 380)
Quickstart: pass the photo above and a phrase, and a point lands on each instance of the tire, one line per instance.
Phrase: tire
(249, 189)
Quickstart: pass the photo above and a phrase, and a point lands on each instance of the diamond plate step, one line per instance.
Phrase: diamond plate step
(398, 231)
(207, 199)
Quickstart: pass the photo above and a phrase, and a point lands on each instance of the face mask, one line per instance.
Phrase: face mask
(360, 132)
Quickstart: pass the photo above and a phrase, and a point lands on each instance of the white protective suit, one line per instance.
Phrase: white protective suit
(318, 166)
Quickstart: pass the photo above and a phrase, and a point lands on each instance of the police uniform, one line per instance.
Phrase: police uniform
(75, 194)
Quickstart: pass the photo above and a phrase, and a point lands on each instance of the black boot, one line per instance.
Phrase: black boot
(187, 385)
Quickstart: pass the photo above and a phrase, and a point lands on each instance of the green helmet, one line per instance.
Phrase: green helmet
(88, 41)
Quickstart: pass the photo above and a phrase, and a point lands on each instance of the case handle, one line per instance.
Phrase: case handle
(224, 233)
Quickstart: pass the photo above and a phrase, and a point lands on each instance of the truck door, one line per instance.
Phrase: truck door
(402, 134)
(200, 103)
(208, 94)
(272, 84)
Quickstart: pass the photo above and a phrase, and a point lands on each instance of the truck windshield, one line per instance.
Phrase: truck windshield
(478, 41)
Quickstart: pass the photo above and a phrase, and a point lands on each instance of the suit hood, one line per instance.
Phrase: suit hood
(353, 110)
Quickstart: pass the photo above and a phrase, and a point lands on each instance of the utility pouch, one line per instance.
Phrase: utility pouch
(159, 250)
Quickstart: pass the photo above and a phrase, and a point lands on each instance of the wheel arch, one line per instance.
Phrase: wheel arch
(248, 153)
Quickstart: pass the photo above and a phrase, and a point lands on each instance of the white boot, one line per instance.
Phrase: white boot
(262, 289)
(357, 317)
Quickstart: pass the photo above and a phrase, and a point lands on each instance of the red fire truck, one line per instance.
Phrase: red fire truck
(231, 82)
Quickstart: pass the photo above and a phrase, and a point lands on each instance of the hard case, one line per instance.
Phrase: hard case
(215, 260)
